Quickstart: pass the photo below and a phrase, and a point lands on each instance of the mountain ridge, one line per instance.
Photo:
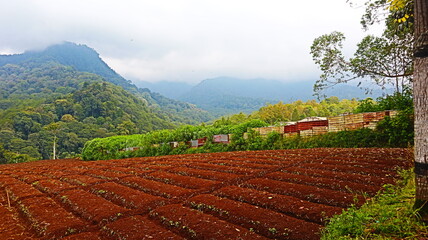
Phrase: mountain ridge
(228, 95)
(86, 59)
(42, 101)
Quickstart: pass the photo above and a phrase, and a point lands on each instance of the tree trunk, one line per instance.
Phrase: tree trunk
(420, 90)
(54, 148)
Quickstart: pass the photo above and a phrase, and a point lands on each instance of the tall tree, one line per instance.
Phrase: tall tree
(386, 60)
(420, 89)
(54, 128)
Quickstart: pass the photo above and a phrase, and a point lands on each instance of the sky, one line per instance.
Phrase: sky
(185, 40)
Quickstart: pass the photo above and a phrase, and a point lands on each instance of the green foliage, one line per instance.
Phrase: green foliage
(280, 112)
(37, 91)
(63, 68)
(326, 52)
(389, 215)
(98, 110)
(391, 132)
(12, 157)
(386, 60)
(399, 130)
(360, 138)
(156, 143)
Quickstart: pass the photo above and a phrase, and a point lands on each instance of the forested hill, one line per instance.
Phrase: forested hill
(85, 59)
(80, 57)
(39, 94)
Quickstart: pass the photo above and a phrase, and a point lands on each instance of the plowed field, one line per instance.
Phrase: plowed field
(280, 194)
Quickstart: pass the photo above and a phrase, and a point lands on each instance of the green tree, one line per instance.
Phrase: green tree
(295, 115)
(386, 60)
(3, 159)
(43, 142)
(126, 128)
(25, 125)
(55, 129)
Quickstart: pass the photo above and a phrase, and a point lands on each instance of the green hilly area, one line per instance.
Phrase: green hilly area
(82, 58)
(67, 94)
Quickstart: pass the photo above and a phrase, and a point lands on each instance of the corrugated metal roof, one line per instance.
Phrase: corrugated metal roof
(309, 119)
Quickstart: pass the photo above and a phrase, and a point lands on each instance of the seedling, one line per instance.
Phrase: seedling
(273, 230)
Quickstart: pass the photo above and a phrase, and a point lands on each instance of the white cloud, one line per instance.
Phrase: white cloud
(184, 40)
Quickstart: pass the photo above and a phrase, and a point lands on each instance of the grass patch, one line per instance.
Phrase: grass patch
(388, 215)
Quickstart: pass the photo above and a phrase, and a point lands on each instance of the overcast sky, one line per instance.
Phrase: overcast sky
(184, 40)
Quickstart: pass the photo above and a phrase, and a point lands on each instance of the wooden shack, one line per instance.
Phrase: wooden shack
(221, 138)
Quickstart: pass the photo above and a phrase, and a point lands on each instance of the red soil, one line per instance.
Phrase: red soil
(292, 206)
(155, 188)
(48, 218)
(183, 181)
(305, 192)
(135, 228)
(280, 194)
(265, 222)
(205, 174)
(52, 186)
(127, 197)
(194, 224)
(324, 182)
(90, 207)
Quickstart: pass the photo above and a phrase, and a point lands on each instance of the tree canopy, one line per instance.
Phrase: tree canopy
(37, 95)
(386, 61)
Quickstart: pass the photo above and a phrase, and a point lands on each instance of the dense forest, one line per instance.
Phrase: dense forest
(81, 104)
(83, 59)
(43, 101)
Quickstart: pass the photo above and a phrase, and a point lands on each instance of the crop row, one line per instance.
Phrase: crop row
(286, 194)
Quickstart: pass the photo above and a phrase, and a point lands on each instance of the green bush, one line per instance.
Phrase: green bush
(387, 135)
(399, 130)
(155, 143)
(389, 215)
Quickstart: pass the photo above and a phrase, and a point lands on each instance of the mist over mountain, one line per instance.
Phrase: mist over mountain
(81, 57)
(228, 95)
(172, 90)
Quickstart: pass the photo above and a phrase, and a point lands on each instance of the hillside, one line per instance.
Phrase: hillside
(227, 95)
(85, 107)
(80, 57)
(38, 91)
(85, 59)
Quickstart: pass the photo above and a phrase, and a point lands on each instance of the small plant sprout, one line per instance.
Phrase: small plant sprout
(273, 230)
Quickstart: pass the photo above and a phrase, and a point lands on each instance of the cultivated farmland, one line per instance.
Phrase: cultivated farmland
(278, 194)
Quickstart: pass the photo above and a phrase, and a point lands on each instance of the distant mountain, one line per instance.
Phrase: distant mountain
(168, 89)
(257, 88)
(81, 57)
(225, 95)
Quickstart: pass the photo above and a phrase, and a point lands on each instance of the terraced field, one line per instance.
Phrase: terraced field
(281, 194)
